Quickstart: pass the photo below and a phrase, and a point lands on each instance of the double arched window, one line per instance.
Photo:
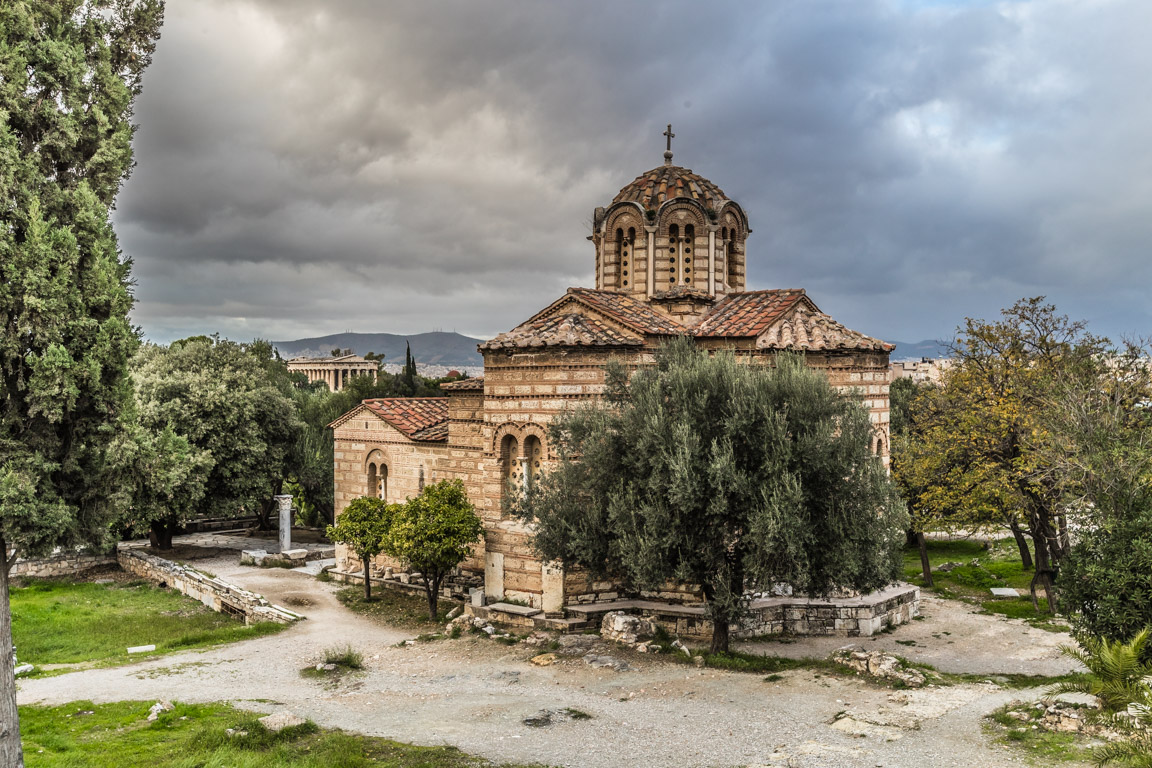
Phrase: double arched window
(377, 477)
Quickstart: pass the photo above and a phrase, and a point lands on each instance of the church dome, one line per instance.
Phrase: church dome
(667, 182)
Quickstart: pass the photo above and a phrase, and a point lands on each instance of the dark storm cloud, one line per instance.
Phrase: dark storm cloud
(310, 168)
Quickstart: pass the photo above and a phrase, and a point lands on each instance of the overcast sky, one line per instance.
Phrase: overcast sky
(308, 168)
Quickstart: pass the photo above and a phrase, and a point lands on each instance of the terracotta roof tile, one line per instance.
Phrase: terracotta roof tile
(424, 419)
(476, 382)
(806, 327)
(747, 314)
(567, 330)
(667, 182)
(556, 327)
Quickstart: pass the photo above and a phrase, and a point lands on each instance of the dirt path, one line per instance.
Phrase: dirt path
(474, 694)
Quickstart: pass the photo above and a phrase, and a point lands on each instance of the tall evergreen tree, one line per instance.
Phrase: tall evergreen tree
(69, 73)
(736, 477)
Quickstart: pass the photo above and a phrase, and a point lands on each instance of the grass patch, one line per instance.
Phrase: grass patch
(1040, 746)
(751, 662)
(119, 736)
(61, 622)
(396, 609)
(576, 714)
(344, 656)
(981, 568)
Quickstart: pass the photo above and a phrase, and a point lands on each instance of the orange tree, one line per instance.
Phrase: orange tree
(363, 526)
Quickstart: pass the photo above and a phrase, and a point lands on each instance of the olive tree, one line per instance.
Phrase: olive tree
(730, 475)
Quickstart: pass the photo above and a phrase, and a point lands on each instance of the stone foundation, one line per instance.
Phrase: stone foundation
(858, 616)
(217, 594)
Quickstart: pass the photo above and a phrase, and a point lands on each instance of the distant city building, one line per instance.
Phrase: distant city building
(926, 369)
(333, 371)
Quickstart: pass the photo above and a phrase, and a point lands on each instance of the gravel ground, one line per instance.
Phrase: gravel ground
(474, 694)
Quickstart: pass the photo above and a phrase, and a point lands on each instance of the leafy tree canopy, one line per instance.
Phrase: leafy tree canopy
(69, 73)
(976, 453)
(230, 404)
(363, 526)
(733, 476)
(433, 532)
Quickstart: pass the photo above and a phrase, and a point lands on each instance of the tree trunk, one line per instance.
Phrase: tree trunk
(1021, 542)
(367, 581)
(925, 566)
(910, 537)
(432, 590)
(720, 635)
(264, 514)
(160, 534)
(11, 755)
(1043, 575)
(726, 611)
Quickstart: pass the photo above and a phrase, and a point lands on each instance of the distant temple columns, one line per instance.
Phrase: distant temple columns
(335, 372)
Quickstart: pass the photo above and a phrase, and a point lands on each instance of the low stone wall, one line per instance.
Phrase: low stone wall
(217, 594)
(859, 616)
(60, 565)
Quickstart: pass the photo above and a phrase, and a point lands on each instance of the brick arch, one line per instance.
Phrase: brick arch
(376, 466)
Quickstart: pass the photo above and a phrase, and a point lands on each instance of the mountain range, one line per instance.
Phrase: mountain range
(454, 349)
(434, 348)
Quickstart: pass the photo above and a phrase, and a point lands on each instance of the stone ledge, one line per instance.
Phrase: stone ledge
(219, 595)
(518, 610)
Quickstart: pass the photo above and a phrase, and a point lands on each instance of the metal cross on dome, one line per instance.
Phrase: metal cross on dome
(670, 136)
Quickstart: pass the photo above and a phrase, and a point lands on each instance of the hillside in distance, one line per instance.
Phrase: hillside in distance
(434, 348)
(906, 350)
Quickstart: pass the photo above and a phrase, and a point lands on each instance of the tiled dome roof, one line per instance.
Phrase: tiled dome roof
(667, 182)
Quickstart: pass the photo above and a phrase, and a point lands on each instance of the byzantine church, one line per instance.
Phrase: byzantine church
(671, 253)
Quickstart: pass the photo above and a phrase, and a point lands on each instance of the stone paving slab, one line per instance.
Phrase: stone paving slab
(1005, 592)
(316, 566)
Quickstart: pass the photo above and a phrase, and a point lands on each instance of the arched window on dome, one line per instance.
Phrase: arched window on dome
(628, 255)
(616, 259)
(722, 254)
(686, 257)
(673, 253)
(732, 258)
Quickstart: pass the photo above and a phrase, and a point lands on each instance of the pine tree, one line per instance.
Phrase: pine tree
(69, 73)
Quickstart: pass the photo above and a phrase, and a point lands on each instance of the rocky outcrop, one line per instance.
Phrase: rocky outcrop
(878, 664)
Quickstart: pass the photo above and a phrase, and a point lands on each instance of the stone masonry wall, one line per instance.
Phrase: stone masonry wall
(217, 594)
(60, 565)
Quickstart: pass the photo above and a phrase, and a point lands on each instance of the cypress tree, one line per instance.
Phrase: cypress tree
(69, 73)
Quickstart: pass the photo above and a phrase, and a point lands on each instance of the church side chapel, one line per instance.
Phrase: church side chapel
(670, 260)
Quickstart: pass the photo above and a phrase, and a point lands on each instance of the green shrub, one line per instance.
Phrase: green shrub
(1106, 581)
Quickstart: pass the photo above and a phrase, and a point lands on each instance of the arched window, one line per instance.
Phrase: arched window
(377, 480)
(626, 256)
(673, 252)
(686, 259)
(730, 255)
(534, 453)
(510, 460)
